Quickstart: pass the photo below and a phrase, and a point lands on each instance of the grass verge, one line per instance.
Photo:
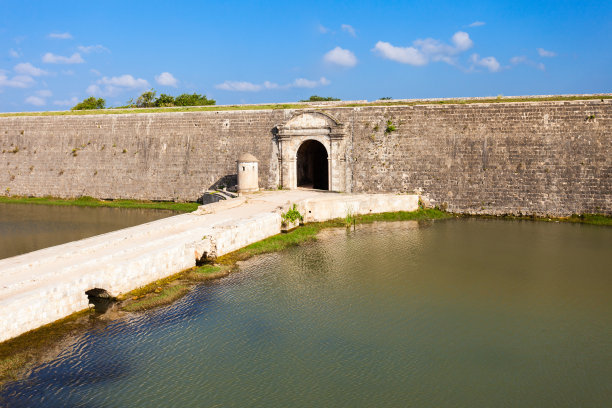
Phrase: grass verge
(160, 296)
(309, 232)
(86, 201)
(215, 108)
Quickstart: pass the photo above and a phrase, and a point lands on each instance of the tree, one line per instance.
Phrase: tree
(164, 100)
(146, 100)
(90, 103)
(193, 100)
(316, 98)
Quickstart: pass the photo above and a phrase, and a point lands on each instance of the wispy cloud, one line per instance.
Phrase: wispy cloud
(60, 36)
(14, 54)
(425, 50)
(349, 29)
(45, 93)
(86, 49)
(51, 58)
(113, 86)
(18, 81)
(522, 59)
(477, 24)
(340, 56)
(166, 79)
(66, 102)
(322, 29)
(544, 53)
(489, 63)
(35, 100)
(307, 83)
(25, 68)
(244, 86)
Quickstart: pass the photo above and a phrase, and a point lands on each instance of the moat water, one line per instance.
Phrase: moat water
(452, 313)
(27, 227)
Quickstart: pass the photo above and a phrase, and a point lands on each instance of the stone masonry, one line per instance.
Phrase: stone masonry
(544, 158)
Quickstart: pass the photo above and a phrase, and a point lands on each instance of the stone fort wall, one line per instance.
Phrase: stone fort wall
(545, 158)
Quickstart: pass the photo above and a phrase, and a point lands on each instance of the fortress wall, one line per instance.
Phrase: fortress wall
(548, 158)
(161, 156)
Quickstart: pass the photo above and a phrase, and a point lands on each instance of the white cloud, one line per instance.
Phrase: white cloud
(307, 83)
(405, 55)
(66, 102)
(126, 81)
(545, 53)
(488, 62)
(92, 48)
(51, 58)
(462, 41)
(477, 24)
(35, 100)
(14, 54)
(340, 56)
(240, 86)
(349, 29)
(26, 68)
(94, 89)
(425, 50)
(322, 29)
(18, 81)
(166, 79)
(67, 72)
(243, 86)
(115, 85)
(60, 36)
(521, 59)
(95, 72)
(45, 93)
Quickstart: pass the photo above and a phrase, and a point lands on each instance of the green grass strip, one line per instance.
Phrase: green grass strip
(93, 202)
(214, 108)
(167, 295)
(309, 232)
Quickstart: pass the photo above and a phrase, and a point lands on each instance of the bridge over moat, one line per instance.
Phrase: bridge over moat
(46, 285)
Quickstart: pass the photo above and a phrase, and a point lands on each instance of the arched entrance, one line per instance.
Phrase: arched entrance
(312, 166)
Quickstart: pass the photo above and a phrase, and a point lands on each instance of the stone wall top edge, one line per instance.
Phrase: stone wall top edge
(258, 112)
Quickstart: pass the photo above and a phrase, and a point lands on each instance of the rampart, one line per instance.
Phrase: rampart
(544, 158)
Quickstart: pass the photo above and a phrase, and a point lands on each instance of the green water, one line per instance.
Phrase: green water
(452, 313)
(27, 227)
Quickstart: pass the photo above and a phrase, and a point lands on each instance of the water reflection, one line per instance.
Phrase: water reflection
(27, 227)
(459, 313)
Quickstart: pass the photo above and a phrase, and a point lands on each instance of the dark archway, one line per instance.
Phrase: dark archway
(312, 168)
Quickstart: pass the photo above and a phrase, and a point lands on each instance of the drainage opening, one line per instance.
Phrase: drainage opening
(100, 299)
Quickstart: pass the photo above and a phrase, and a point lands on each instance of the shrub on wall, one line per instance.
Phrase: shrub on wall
(90, 103)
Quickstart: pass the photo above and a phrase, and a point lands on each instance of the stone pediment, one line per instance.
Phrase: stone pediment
(311, 122)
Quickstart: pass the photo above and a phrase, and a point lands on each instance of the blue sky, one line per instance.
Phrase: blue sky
(56, 53)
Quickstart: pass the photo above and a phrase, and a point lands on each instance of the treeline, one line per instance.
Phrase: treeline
(149, 99)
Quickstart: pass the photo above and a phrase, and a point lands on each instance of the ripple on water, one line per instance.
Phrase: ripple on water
(452, 313)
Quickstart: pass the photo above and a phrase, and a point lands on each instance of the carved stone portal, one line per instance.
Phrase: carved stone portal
(312, 126)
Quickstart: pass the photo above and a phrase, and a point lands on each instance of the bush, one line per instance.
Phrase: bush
(90, 103)
(164, 100)
(193, 100)
(316, 98)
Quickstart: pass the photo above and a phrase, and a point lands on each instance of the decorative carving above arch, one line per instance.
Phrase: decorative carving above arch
(311, 122)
